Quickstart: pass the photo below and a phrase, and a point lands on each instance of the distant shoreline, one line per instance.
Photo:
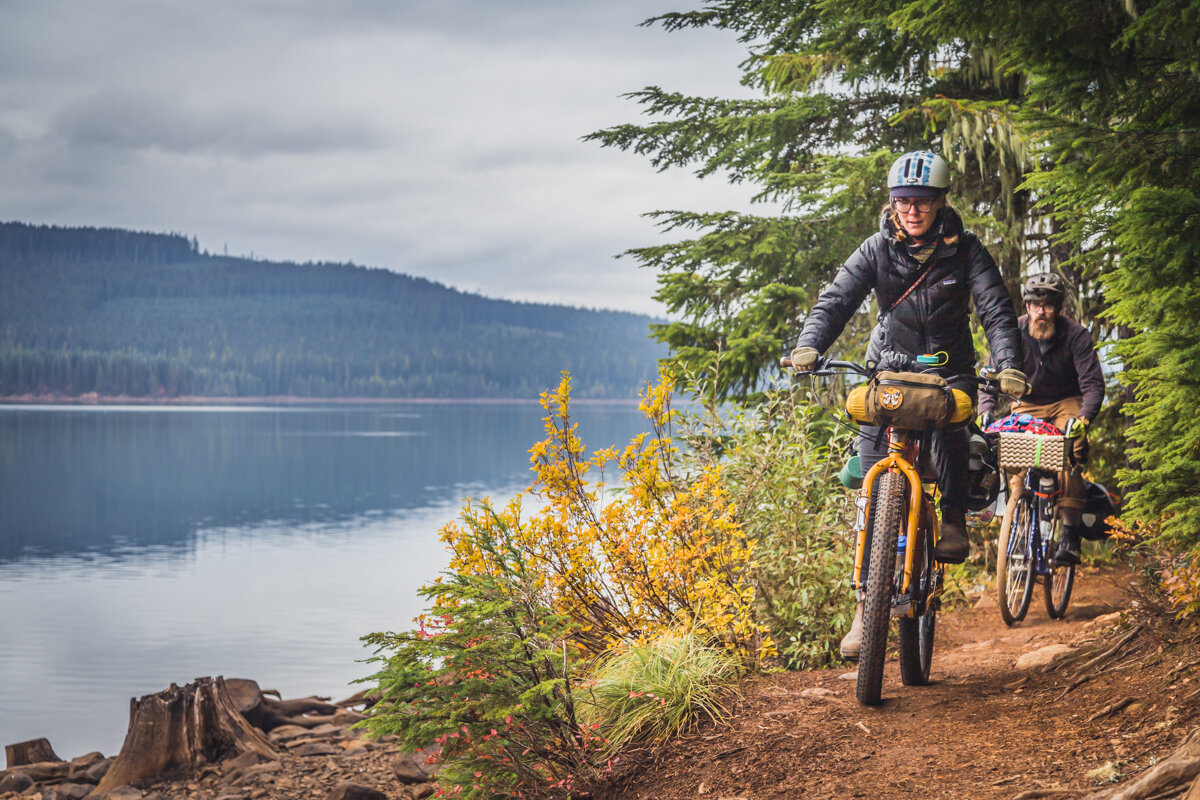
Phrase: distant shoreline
(93, 399)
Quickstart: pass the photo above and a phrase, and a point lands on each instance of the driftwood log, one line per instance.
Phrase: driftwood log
(181, 728)
(33, 751)
(266, 711)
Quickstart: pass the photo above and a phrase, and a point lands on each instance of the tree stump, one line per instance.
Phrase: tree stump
(178, 729)
(33, 751)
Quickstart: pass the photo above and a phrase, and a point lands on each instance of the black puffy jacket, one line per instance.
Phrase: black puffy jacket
(934, 317)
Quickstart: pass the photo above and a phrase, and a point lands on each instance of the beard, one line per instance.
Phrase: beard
(1042, 329)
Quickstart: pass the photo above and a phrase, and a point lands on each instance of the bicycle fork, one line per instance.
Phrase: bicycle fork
(911, 537)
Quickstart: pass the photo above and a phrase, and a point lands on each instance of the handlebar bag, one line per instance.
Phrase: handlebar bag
(919, 401)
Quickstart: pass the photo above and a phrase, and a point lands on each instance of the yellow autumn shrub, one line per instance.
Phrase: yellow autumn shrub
(621, 541)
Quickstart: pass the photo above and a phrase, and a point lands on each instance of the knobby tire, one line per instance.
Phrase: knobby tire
(1016, 563)
(886, 517)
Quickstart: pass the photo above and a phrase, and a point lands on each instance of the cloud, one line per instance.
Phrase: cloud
(438, 138)
(123, 120)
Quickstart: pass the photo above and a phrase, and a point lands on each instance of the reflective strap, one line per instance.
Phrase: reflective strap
(1037, 453)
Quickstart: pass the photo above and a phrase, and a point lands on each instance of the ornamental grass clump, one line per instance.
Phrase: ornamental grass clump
(657, 690)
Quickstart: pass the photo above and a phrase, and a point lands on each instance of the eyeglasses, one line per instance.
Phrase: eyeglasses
(904, 204)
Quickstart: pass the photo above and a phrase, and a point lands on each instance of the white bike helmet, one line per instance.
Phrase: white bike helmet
(921, 173)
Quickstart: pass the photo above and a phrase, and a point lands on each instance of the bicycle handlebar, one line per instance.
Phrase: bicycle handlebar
(826, 367)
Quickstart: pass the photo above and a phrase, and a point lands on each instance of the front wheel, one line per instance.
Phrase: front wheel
(1058, 584)
(886, 518)
(1015, 562)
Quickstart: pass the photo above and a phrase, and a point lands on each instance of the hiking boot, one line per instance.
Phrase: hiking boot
(1069, 548)
(852, 641)
(953, 546)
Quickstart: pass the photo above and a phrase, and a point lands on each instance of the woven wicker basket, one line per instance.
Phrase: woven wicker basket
(1020, 450)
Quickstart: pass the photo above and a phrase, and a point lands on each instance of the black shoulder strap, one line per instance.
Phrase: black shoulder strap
(910, 289)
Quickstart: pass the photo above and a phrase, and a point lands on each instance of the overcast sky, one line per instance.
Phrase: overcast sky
(438, 138)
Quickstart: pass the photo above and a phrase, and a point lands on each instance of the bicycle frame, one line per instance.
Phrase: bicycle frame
(1038, 543)
(903, 451)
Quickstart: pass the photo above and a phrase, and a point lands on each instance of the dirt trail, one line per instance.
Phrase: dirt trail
(983, 729)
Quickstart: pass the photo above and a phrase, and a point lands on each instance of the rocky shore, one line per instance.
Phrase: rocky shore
(311, 752)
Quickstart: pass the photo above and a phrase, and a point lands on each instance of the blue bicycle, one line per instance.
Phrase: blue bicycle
(1030, 534)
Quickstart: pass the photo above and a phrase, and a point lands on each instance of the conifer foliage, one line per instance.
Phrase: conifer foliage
(1073, 129)
(844, 91)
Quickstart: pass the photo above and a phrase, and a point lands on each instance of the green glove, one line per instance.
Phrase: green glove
(1013, 382)
(985, 419)
(1079, 429)
(804, 358)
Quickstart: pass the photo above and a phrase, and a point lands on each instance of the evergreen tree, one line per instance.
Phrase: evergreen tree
(1115, 110)
(1074, 128)
(844, 90)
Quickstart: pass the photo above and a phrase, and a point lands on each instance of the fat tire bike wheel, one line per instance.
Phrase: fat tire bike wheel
(1016, 564)
(880, 584)
(1058, 584)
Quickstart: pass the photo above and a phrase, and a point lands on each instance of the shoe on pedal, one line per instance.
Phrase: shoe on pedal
(852, 641)
(1069, 549)
(953, 546)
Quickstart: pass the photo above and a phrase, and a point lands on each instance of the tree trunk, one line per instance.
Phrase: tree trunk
(33, 751)
(178, 729)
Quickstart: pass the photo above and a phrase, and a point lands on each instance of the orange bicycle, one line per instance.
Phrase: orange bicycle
(896, 525)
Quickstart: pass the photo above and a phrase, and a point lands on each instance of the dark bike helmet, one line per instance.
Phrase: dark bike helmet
(1047, 287)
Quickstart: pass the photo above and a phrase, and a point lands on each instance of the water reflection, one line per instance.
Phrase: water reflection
(141, 547)
(112, 481)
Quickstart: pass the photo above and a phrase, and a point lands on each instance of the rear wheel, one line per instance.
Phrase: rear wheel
(877, 596)
(1014, 568)
(1058, 584)
(916, 647)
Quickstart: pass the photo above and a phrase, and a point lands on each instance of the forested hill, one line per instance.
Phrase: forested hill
(139, 314)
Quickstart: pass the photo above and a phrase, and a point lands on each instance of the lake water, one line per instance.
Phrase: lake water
(144, 546)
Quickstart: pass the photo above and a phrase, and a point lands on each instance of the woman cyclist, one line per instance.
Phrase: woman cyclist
(925, 270)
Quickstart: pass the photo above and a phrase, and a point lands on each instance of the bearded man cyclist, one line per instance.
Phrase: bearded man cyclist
(1066, 383)
(925, 270)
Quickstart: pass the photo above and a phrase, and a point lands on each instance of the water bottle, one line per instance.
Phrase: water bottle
(1045, 490)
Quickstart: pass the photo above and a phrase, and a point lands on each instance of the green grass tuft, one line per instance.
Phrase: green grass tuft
(659, 690)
